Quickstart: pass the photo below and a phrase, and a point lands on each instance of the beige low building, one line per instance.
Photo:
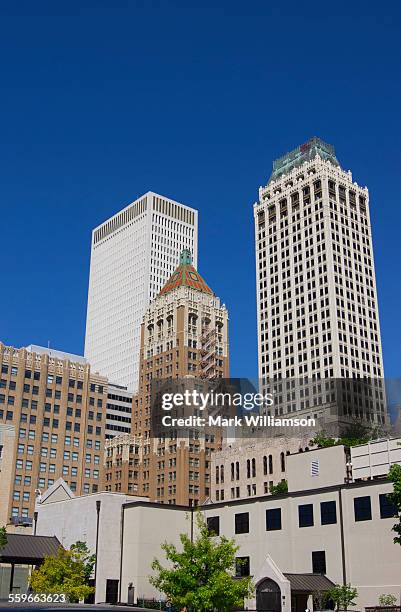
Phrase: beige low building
(375, 458)
(327, 530)
(76, 518)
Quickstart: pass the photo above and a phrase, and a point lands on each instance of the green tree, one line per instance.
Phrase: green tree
(358, 433)
(323, 440)
(355, 433)
(387, 601)
(201, 576)
(319, 600)
(395, 497)
(3, 538)
(280, 488)
(65, 573)
(343, 596)
(82, 552)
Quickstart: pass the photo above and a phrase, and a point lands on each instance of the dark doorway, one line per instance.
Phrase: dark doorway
(91, 598)
(111, 591)
(268, 596)
(299, 602)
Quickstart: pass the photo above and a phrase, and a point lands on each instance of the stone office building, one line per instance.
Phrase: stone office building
(7, 461)
(317, 304)
(250, 468)
(56, 405)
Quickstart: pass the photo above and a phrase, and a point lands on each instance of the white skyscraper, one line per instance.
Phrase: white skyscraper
(133, 254)
(316, 288)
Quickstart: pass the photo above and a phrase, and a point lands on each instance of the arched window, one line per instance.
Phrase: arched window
(222, 473)
(248, 468)
(282, 461)
(270, 464)
(232, 471)
(217, 474)
(265, 465)
(237, 469)
(253, 468)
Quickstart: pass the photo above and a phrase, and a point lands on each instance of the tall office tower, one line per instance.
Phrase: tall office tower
(57, 407)
(316, 289)
(133, 254)
(184, 336)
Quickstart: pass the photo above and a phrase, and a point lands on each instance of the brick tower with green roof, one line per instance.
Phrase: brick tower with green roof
(184, 338)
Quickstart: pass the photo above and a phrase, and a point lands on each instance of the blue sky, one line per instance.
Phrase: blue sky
(103, 101)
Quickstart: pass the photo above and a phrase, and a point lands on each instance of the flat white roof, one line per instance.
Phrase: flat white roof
(42, 350)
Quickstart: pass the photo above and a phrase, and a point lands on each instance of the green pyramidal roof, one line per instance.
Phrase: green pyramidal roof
(186, 276)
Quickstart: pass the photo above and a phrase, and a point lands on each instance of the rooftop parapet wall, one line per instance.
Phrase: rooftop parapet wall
(301, 175)
(305, 152)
